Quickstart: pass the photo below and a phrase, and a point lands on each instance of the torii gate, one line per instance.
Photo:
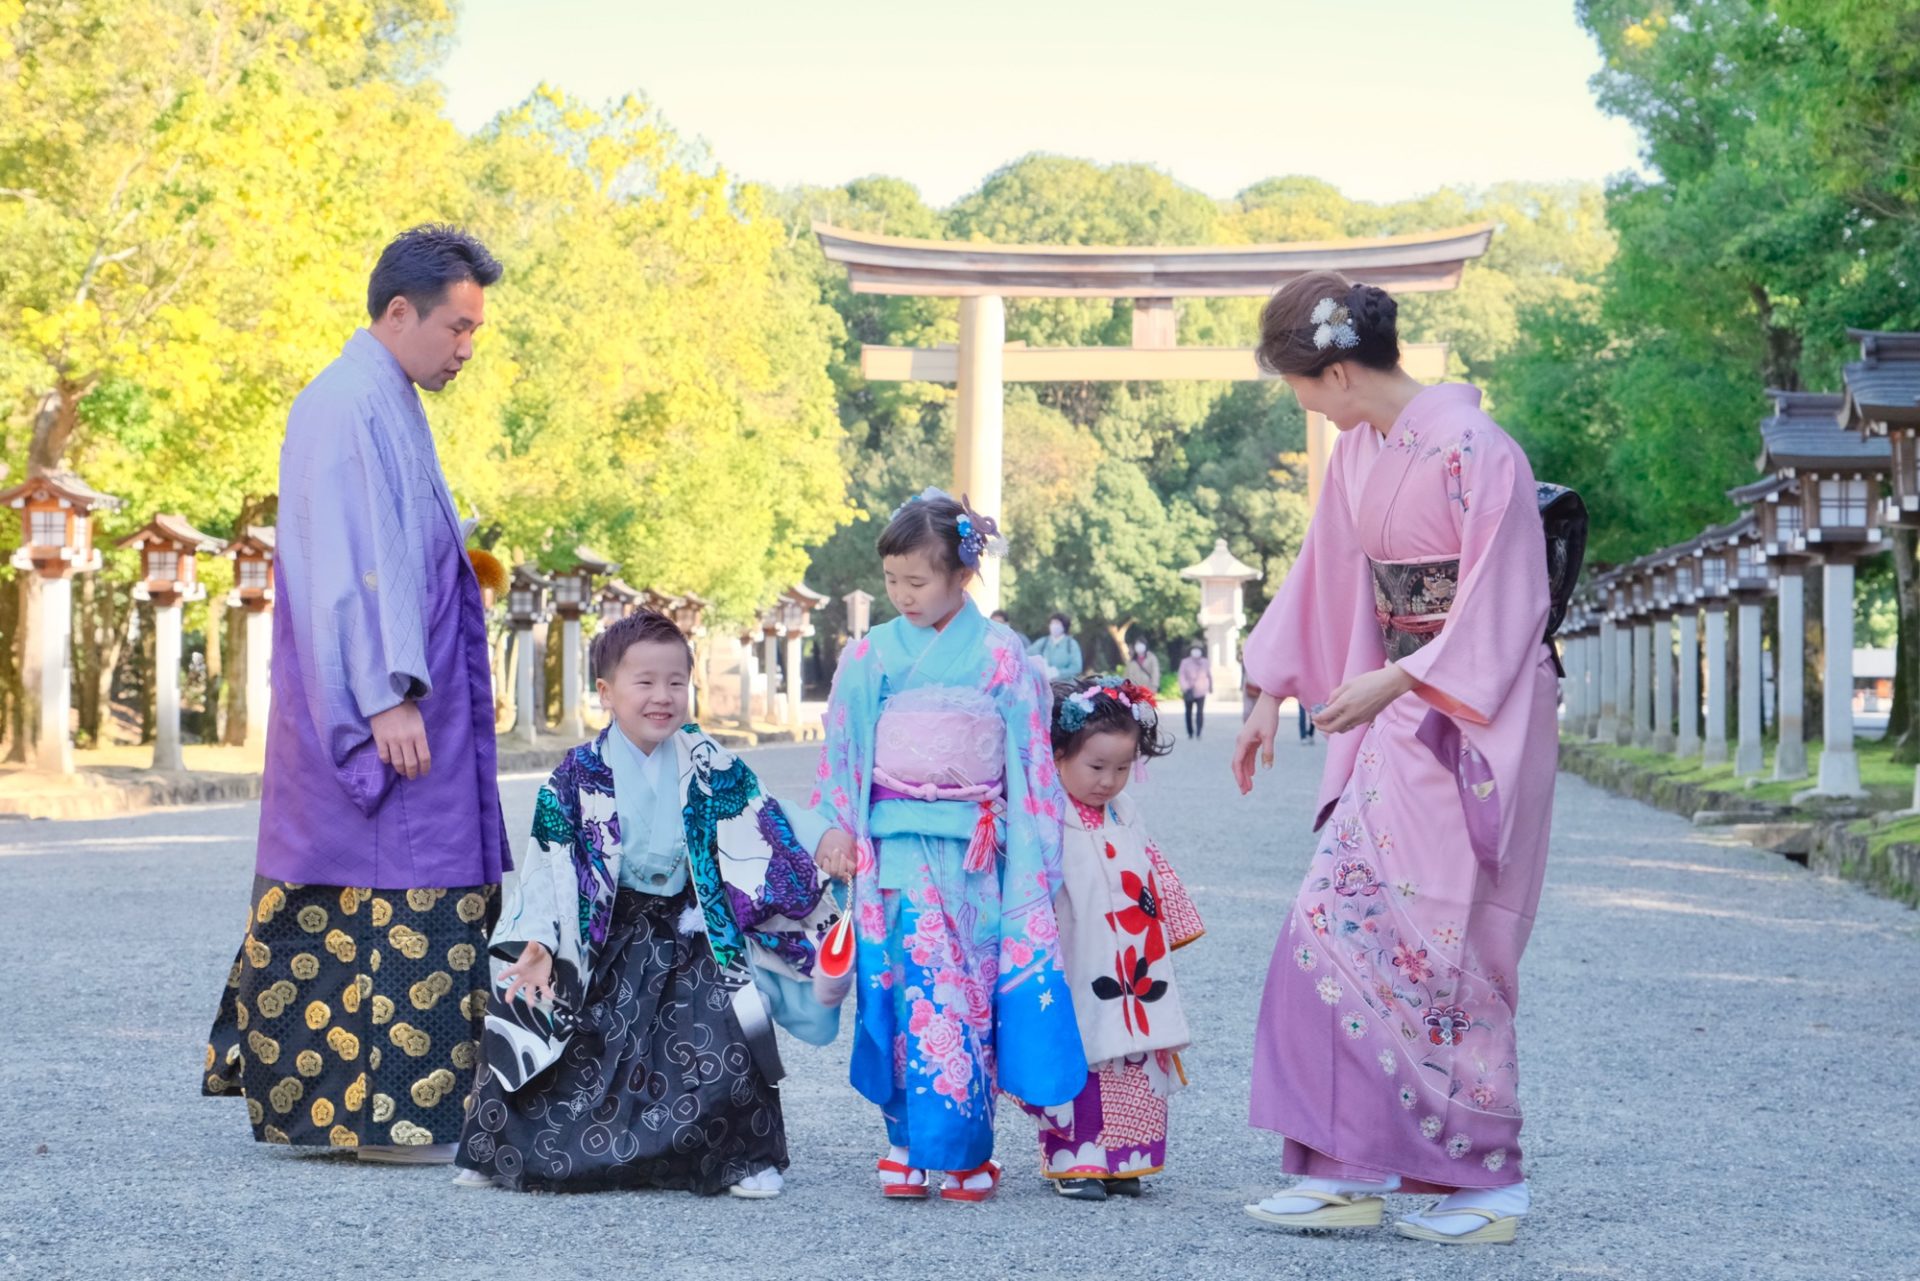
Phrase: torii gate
(982, 276)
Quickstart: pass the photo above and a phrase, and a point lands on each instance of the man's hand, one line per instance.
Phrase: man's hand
(1256, 736)
(834, 856)
(1361, 699)
(531, 976)
(401, 735)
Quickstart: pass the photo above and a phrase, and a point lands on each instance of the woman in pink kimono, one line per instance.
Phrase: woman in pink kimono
(1413, 624)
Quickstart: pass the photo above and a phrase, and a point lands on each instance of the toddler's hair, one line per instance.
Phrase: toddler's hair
(930, 524)
(642, 627)
(1092, 705)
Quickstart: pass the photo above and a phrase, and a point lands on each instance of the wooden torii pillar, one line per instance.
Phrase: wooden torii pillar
(982, 276)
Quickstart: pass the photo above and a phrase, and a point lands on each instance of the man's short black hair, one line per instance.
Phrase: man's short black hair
(642, 627)
(423, 263)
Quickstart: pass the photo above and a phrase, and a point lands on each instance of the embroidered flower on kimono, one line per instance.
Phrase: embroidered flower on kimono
(1448, 935)
(1408, 1097)
(1132, 987)
(1446, 1024)
(1330, 990)
(1006, 668)
(1494, 1159)
(1482, 1096)
(1347, 833)
(1407, 889)
(1389, 1062)
(1353, 876)
(939, 1034)
(1412, 963)
(1384, 842)
(1430, 1126)
(1144, 916)
(859, 651)
(1370, 796)
(1042, 928)
(1458, 1146)
(1305, 959)
(1354, 1024)
(1318, 918)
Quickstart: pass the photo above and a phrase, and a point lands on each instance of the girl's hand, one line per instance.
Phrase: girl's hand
(1256, 735)
(531, 976)
(1361, 699)
(834, 856)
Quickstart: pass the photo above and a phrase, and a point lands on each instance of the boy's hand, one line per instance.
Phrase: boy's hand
(531, 976)
(834, 857)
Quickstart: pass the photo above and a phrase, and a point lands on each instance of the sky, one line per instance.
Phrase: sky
(1385, 99)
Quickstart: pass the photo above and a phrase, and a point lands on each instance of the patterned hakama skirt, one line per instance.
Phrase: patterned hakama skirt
(352, 1015)
(656, 1088)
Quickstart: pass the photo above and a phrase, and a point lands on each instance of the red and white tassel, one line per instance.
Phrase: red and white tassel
(985, 846)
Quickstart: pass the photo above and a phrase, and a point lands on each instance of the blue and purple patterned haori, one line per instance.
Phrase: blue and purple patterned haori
(683, 920)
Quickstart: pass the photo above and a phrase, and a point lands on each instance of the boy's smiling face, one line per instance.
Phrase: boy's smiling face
(647, 692)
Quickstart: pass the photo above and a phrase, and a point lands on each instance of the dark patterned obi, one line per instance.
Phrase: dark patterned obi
(1411, 600)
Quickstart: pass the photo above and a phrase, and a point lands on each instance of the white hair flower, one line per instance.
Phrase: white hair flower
(1333, 326)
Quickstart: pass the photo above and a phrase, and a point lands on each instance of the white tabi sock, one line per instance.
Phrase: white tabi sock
(767, 1180)
(900, 1155)
(1281, 1203)
(1442, 1216)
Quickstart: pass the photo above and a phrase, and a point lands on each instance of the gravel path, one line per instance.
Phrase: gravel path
(1719, 1048)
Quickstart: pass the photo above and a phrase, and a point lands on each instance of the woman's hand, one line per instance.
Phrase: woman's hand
(1361, 699)
(1256, 735)
(834, 856)
(530, 976)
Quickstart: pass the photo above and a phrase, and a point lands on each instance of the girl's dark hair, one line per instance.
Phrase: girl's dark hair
(1108, 716)
(1288, 327)
(931, 525)
(642, 627)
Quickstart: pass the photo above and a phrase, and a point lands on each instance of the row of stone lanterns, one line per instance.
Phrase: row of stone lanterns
(1824, 457)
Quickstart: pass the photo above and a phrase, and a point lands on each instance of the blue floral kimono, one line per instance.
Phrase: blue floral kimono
(938, 761)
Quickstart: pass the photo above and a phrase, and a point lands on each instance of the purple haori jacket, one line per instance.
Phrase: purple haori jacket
(375, 602)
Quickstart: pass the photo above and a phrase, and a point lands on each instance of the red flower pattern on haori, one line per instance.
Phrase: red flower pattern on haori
(1144, 916)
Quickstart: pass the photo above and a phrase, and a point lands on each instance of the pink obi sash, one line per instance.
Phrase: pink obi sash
(938, 743)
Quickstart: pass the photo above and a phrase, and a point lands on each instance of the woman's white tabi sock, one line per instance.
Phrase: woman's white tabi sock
(1443, 1215)
(1281, 1203)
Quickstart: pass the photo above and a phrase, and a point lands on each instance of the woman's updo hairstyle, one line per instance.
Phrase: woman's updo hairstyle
(1322, 318)
(929, 524)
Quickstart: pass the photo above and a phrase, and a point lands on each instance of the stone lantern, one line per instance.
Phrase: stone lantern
(1683, 570)
(1223, 578)
(617, 600)
(1605, 715)
(527, 608)
(169, 576)
(688, 613)
(1838, 474)
(795, 609)
(1882, 399)
(1711, 553)
(573, 595)
(1664, 604)
(1640, 617)
(252, 555)
(859, 612)
(1749, 581)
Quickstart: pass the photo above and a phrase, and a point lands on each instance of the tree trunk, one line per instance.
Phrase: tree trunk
(213, 716)
(1902, 721)
(235, 733)
(12, 697)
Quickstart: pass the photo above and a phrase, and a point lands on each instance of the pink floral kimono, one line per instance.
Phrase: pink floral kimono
(1386, 1035)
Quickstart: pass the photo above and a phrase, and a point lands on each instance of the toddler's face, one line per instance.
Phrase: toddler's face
(647, 693)
(925, 594)
(1099, 771)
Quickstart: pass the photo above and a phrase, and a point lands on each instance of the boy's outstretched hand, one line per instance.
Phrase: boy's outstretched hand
(834, 856)
(531, 976)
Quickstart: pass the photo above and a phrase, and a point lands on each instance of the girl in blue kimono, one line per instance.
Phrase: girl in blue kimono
(938, 765)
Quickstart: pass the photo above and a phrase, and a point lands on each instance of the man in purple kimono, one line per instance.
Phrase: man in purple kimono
(353, 1010)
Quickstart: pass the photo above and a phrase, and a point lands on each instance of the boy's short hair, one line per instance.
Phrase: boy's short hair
(642, 627)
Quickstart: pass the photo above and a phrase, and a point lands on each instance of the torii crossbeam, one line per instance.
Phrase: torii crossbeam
(982, 276)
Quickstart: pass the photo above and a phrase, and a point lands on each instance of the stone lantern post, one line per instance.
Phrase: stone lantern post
(169, 577)
(1223, 578)
(859, 612)
(526, 609)
(796, 626)
(252, 556)
(573, 593)
(56, 527)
